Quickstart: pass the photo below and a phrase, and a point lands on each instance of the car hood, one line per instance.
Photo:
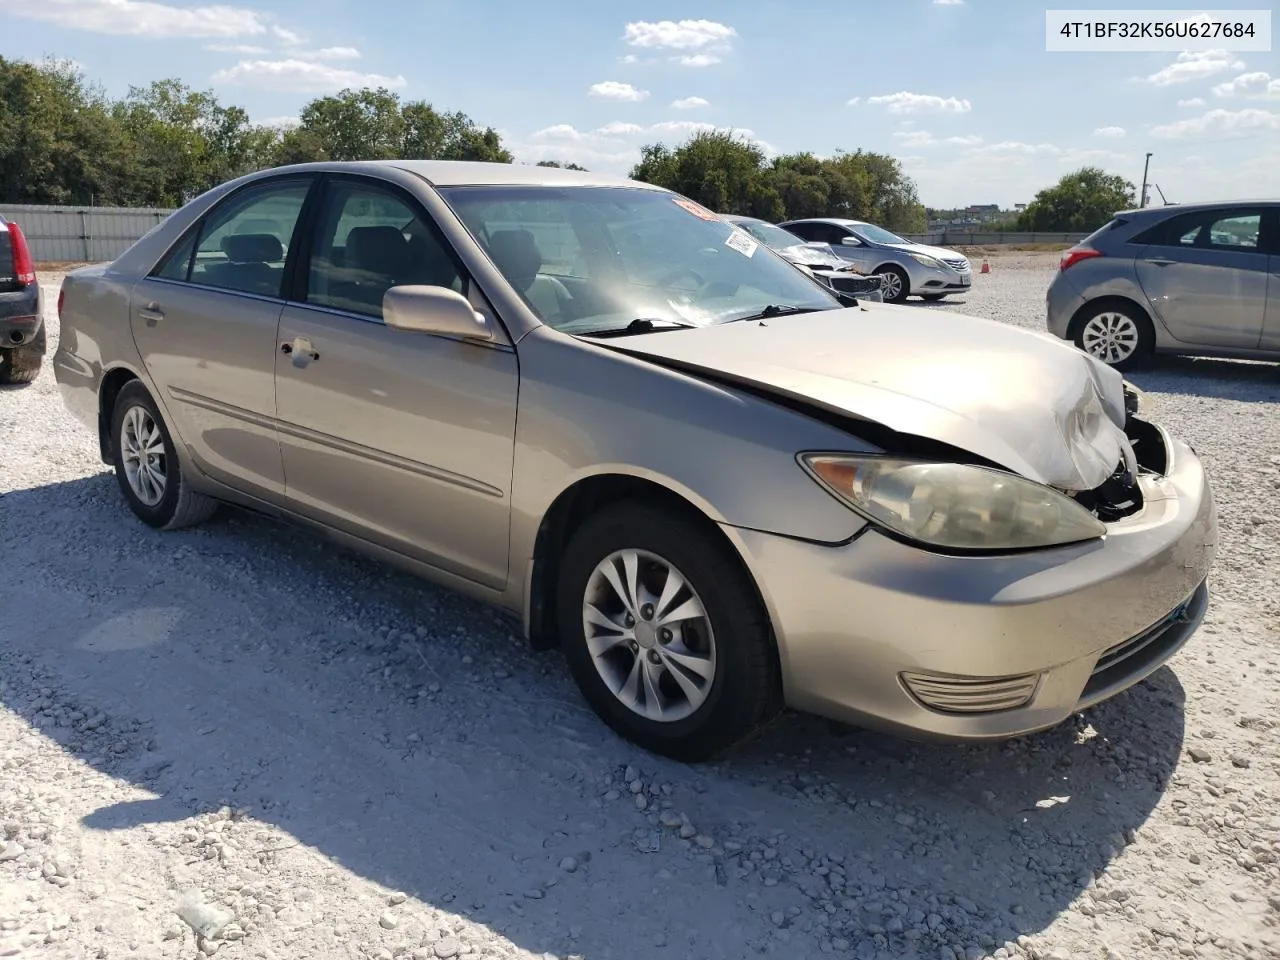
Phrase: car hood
(811, 255)
(1024, 400)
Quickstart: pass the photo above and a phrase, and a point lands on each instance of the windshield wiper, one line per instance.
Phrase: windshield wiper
(640, 325)
(775, 310)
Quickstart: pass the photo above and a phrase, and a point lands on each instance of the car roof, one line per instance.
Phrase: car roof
(457, 173)
(1175, 208)
(839, 221)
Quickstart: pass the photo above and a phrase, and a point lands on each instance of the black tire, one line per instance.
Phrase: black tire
(904, 283)
(1146, 335)
(745, 688)
(22, 364)
(180, 505)
(932, 297)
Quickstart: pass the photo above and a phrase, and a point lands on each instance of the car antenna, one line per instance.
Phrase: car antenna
(1161, 192)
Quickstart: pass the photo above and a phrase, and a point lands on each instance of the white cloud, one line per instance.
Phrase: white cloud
(1192, 102)
(143, 18)
(301, 76)
(854, 102)
(904, 102)
(701, 43)
(689, 103)
(972, 140)
(1109, 132)
(333, 53)
(240, 49)
(285, 36)
(614, 90)
(682, 35)
(948, 3)
(698, 60)
(1008, 147)
(922, 138)
(617, 128)
(1219, 122)
(629, 58)
(1195, 65)
(1252, 86)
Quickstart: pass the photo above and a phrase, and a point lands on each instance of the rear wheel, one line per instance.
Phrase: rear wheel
(22, 364)
(897, 286)
(1117, 333)
(664, 633)
(147, 467)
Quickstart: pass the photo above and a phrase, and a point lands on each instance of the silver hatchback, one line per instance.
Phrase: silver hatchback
(1198, 279)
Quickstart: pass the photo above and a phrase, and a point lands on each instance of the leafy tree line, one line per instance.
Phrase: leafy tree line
(730, 174)
(62, 140)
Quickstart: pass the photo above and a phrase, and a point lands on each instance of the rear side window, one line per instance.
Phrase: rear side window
(1228, 230)
(7, 273)
(242, 244)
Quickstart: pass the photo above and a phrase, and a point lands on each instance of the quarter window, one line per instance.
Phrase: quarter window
(369, 240)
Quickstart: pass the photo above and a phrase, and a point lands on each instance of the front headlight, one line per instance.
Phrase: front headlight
(952, 505)
(924, 258)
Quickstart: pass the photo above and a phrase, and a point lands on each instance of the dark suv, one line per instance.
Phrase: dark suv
(22, 339)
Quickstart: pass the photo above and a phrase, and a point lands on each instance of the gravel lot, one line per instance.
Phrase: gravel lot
(308, 755)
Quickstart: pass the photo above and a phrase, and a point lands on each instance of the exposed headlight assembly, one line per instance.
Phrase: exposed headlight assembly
(954, 506)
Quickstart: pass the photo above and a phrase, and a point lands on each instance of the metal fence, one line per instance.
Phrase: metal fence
(81, 234)
(977, 238)
(94, 234)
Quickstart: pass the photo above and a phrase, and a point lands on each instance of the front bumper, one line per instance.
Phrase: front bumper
(862, 625)
(926, 280)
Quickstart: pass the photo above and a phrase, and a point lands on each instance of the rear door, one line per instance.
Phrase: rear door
(1205, 274)
(205, 323)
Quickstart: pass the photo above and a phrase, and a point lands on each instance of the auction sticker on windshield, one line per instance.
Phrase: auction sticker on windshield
(696, 209)
(742, 243)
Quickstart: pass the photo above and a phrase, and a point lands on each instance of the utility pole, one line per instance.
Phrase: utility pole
(1142, 199)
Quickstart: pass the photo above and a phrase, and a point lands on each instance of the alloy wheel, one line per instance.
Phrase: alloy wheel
(649, 636)
(142, 452)
(1111, 337)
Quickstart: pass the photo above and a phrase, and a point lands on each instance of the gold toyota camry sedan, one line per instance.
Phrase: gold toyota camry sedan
(718, 486)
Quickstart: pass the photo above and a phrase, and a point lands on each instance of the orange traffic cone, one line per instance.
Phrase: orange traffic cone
(986, 267)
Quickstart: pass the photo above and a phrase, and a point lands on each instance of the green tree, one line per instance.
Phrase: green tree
(1079, 203)
(560, 166)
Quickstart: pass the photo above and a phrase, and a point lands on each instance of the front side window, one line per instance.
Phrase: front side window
(243, 242)
(368, 240)
(593, 259)
(1232, 230)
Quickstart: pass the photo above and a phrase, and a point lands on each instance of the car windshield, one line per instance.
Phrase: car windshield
(769, 233)
(594, 259)
(869, 231)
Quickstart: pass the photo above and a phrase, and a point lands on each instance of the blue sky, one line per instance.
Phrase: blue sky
(962, 91)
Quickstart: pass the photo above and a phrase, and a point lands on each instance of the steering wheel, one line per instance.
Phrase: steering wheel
(669, 278)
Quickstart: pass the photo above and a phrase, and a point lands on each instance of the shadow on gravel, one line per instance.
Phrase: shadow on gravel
(1246, 380)
(242, 663)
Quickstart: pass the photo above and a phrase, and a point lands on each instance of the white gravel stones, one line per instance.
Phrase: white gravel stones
(218, 710)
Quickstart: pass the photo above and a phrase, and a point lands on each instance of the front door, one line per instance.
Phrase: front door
(1206, 275)
(205, 324)
(405, 439)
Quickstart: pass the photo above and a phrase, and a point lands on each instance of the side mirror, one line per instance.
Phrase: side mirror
(438, 310)
(850, 242)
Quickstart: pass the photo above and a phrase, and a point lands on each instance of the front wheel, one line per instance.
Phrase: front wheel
(147, 467)
(664, 633)
(897, 286)
(932, 297)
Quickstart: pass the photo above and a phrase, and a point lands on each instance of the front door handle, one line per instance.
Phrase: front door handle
(151, 313)
(300, 349)
(1162, 263)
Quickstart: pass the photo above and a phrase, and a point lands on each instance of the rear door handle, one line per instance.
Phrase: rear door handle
(1162, 263)
(151, 313)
